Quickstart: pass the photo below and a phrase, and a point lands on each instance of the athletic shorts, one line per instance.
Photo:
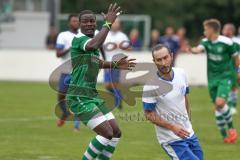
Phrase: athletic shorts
(64, 82)
(219, 88)
(234, 79)
(111, 75)
(91, 111)
(186, 149)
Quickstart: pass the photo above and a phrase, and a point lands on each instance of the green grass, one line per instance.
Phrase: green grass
(28, 128)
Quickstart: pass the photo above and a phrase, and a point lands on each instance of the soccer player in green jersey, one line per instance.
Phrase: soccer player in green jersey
(220, 52)
(82, 96)
(229, 31)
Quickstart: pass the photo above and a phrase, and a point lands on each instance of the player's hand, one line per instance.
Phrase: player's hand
(180, 131)
(113, 11)
(125, 63)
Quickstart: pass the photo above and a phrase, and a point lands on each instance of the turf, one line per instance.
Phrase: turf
(28, 128)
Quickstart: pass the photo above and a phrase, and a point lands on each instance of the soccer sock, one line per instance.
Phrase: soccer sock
(76, 122)
(232, 99)
(117, 96)
(220, 123)
(63, 107)
(227, 116)
(95, 147)
(108, 151)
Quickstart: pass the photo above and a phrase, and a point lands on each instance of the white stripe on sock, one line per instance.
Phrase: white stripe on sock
(89, 157)
(114, 142)
(107, 154)
(95, 150)
(104, 141)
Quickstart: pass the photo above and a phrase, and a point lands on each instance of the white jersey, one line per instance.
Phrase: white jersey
(170, 106)
(116, 38)
(64, 41)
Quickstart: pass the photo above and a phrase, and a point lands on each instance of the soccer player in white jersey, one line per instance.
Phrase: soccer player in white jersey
(169, 112)
(229, 31)
(116, 42)
(63, 46)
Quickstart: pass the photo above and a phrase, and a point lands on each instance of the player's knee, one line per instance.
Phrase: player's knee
(108, 134)
(117, 133)
(220, 102)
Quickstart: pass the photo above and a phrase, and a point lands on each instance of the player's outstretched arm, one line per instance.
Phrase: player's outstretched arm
(61, 52)
(175, 128)
(109, 18)
(196, 50)
(123, 63)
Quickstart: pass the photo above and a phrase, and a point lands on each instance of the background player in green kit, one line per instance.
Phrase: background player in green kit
(82, 96)
(220, 52)
(229, 31)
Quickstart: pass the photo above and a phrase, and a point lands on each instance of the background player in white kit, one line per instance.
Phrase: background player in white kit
(114, 44)
(170, 112)
(64, 43)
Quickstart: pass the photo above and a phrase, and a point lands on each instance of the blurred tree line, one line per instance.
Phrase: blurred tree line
(177, 13)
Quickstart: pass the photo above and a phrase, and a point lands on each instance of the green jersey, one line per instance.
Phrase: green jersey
(85, 70)
(219, 57)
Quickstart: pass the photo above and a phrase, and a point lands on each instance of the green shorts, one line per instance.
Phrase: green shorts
(91, 111)
(234, 79)
(219, 88)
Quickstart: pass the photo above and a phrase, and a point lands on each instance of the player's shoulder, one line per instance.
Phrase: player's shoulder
(178, 70)
(79, 35)
(204, 41)
(236, 40)
(225, 40)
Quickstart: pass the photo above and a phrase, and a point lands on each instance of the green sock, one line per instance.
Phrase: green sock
(95, 147)
(221, 123)
(227, 116)
(108, 151)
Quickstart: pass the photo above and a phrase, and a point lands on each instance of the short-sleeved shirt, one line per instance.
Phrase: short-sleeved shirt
(219, 57)
(170, 106)
(64, 41)
(85, 68)
(112, 41)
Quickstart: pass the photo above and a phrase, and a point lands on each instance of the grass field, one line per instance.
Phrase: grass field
(28, 128)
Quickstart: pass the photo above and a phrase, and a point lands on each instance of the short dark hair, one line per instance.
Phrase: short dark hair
(71, 16)
(85, 12)
(161, 46)
(214, 24)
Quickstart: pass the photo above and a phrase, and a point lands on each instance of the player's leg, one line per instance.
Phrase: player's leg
(61, 99)
(95, 119)
(221, 105)
(179, 150)
(111, 78)
(76, 123)
(232, 99)
(220, 121)
(195, 147)
(109, 150)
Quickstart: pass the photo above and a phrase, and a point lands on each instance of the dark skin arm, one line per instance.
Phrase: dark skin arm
(62, 52)
(103, 53)
(123, 63)
(97, 41)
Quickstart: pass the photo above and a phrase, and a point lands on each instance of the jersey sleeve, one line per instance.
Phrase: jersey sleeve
(232, 50)
(186, 83)
(60, 41)
(148, 98)
(80, 42)
(202, 45)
